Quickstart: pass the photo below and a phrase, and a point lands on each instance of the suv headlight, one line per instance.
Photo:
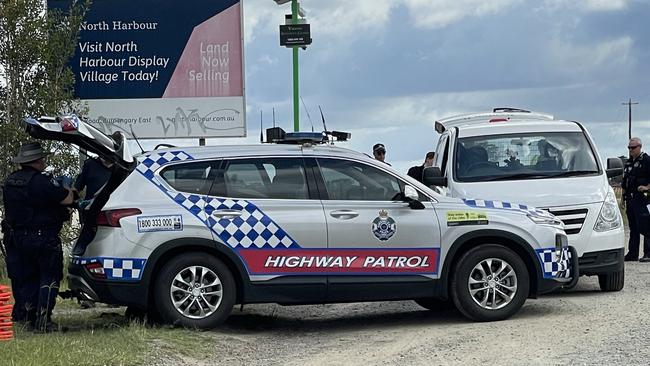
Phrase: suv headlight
(545, 220)
(609, 217)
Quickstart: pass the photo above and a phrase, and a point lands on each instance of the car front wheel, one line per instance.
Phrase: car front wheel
(195, 290)
(490, 282)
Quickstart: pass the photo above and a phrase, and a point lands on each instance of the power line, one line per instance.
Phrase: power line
(629, 105)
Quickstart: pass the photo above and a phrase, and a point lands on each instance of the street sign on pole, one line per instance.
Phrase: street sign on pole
(295, 35)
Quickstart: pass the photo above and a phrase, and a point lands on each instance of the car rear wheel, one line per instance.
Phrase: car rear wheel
(195, 290)
(489, 282)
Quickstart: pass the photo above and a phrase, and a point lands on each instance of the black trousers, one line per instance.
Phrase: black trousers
(638, 220)
(35, 267)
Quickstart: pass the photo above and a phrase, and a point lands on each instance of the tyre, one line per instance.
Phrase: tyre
(613, 281)
(195, 290)
(489, 282)
(435, 305)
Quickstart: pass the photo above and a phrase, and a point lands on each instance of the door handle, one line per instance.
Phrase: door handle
(226, 214)
(344, 214)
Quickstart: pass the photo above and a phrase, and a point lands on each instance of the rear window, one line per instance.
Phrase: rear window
(523, 156)
(189, 177)
(277, 178)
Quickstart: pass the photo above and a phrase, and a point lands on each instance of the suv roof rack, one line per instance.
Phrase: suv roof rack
(503, 114)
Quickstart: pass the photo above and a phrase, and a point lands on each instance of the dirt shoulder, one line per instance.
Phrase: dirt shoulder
(580, 327)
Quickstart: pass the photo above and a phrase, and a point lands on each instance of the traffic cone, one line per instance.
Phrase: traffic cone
(6, 326)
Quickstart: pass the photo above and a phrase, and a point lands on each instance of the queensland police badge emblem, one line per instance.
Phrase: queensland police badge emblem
(383, 227)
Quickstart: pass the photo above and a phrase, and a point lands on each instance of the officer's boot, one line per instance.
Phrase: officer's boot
(44, 324)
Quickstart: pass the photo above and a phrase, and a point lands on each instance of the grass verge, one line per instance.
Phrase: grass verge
(101, 336)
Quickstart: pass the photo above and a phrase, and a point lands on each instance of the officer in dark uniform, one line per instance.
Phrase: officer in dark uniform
(415, 172)
(636, 182)
(35, 209)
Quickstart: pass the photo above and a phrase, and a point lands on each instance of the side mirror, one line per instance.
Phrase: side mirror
(410, 193)
(432, 176)
(614, 167)
(411, 196)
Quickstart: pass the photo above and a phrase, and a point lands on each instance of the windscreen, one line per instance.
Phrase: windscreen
(523, 156)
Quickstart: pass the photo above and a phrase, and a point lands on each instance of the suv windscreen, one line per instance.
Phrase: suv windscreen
(523, 156)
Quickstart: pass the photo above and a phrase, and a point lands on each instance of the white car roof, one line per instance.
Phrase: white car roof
(261, 150)
(504, 122)
(510, 127)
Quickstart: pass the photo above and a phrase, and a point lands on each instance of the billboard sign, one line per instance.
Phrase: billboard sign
(162, 68)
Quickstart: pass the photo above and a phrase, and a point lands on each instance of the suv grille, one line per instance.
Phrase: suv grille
(572, 219)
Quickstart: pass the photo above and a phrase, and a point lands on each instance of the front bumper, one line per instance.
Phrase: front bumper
(601, 262)
(560, 271)
(87, 287)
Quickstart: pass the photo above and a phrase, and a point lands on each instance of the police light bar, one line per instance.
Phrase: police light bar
(302, 137)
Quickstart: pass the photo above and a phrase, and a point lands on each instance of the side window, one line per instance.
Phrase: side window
(352, 181)
(190, 177)
(278, 178)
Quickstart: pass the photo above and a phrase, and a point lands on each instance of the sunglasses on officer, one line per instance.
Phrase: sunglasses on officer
(632, 147)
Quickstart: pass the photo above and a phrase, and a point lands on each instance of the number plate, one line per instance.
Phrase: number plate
(160, 223)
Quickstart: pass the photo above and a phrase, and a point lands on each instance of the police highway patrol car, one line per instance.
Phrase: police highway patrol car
(189, 232)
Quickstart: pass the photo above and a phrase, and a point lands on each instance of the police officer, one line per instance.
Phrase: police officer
(34, 214)
(415, 172)
(636, 182)
(379, 152)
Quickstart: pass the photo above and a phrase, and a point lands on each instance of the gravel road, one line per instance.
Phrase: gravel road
(581, 327)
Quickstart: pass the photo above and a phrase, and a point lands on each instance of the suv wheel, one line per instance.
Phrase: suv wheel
(613, 281)
(490, 282)
(195, 290)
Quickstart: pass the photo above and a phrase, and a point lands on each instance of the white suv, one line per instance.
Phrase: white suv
(516, 155)
(189, 232)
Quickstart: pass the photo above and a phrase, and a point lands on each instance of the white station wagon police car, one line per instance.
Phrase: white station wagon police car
(189, 232)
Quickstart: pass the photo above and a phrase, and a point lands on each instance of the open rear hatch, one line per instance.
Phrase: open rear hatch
(113, 148)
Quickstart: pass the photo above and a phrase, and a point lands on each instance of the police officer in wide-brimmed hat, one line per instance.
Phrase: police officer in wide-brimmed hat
(35, 209)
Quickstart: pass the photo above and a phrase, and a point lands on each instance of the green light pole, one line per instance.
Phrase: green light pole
(295, 34)
(296, 84)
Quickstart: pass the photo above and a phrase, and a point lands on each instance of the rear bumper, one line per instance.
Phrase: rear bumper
(601, 262)
(110, 292)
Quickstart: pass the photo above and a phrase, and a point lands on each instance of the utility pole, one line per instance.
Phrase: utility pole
(629, 105)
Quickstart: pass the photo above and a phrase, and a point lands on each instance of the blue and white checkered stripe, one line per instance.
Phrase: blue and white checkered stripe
(554, 266)
(150, 163)
(252, 229)
(502, 205)
(118, 269)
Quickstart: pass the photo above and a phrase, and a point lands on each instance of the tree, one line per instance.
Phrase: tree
(35, 79)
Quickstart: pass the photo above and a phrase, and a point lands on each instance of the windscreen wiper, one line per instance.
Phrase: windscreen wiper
(515, 176)
(572, 173)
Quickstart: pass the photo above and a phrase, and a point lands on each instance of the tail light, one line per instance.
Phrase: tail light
(498, 120)
(69, 124)
(112, 217)
(96, 270)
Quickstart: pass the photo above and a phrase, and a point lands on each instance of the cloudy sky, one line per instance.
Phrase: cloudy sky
(385, 70)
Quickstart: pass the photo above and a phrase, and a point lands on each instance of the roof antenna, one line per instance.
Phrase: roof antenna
(136, 139)
(307, 111)
(273, 117)
(261, 128)
(322, 117)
